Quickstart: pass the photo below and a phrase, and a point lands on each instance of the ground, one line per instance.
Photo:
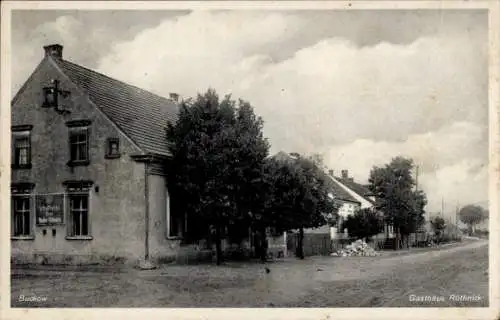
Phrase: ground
(385, 281)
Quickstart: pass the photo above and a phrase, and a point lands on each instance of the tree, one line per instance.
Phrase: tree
(403, 207)
(471, 215)
(438, 224)
(365, 223)
(296, 196)
(250, 149)
(217, 151)
(276, 196)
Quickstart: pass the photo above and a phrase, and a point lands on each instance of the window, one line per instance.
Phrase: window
(21, 216)
(79, 142)
(21, 147)
(22, 151)
(176, 222)
(21, 204)
(79, 215)
(78, 200)
(112, 148)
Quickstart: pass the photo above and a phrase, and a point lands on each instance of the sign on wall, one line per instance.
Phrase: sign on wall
(49, 209)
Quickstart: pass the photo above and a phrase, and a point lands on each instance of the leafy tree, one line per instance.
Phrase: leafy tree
(438, 224)
(249, 151)
(276, 198)
(420, 201)
(217, 151)
(365, 223)
(403, 207)
(296, 196)
(471, 215)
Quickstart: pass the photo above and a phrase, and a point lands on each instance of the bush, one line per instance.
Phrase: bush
(482, 233)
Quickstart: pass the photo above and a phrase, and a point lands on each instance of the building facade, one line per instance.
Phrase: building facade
(87, 180)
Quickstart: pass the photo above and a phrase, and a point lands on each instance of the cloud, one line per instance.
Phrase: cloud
(80, 44)
(452, 162)
(357, 101)
(358, 105)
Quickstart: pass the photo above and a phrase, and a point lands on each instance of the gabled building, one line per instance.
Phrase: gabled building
(88, 180)
(359, 192)
(347, 203)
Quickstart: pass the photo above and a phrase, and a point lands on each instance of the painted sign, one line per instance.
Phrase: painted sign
(49, 209)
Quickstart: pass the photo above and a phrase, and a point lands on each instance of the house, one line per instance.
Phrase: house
(88, 181)
(346, 202)
(360, 193)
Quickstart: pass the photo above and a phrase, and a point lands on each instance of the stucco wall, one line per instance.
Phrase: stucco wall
(347, 209)
(161, 248)
(116, 210)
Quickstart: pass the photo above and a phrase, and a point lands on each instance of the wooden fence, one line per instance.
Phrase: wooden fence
(314, 244)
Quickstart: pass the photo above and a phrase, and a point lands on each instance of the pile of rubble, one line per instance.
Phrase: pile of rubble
(356, 248)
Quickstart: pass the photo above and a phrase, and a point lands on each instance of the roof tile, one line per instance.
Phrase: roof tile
(141, 115)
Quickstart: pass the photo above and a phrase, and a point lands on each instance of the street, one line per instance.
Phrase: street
(386, 281)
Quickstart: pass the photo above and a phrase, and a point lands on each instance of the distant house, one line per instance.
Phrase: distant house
(361, 193)
(347, 203)
(87, 179)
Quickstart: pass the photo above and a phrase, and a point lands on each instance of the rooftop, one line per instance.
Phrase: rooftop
(140, 114)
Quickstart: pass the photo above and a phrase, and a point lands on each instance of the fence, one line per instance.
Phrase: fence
(322, 244)
(313, 244)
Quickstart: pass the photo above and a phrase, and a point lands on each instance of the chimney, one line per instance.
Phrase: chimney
(54, 51)
(174, 97)
(345, 174)
(330, 172)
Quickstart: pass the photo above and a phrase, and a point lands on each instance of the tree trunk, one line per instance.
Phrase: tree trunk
(398, 239)
(300, 246)
(263, 245)
(218, 247)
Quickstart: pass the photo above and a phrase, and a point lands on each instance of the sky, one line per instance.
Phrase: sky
(359, 87)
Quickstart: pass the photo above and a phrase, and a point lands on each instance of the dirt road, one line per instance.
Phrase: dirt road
(402, 280)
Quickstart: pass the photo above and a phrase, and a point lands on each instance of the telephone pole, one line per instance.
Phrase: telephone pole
(442, 207)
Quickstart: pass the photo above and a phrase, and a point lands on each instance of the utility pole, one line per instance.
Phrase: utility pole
(442, 207)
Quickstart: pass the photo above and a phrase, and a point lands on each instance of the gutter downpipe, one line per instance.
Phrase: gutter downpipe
(146, 216)
(146, 159)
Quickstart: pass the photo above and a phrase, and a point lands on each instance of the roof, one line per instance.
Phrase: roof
(358, 188)
(336, 190)
(141, 115)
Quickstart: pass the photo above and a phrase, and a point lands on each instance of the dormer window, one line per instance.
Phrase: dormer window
(112, 148)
